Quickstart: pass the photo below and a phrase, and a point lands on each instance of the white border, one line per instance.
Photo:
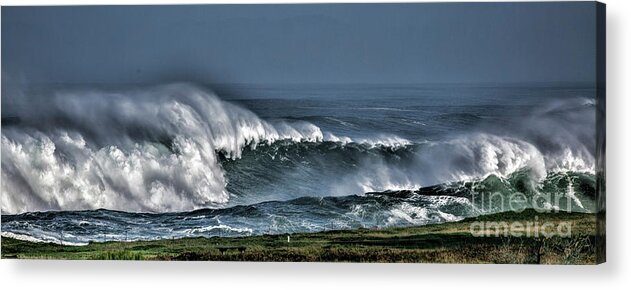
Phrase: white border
(226, 275)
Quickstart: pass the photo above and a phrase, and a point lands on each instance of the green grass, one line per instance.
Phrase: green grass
(441, 243)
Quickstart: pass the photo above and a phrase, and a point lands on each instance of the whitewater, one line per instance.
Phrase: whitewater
(164, 152)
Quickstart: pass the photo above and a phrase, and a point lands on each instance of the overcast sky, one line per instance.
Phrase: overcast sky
(383, 43)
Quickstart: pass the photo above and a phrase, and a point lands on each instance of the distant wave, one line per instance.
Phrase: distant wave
(337, 168)
(166, 148)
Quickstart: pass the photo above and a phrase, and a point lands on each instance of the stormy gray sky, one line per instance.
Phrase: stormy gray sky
(368, 43)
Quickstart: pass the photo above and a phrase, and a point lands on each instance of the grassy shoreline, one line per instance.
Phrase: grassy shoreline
(438, 243)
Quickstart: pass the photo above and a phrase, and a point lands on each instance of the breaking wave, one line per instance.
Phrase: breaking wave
(179, 147)
(142, 150)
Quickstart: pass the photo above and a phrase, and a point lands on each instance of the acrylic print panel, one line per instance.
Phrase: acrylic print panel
(427, 132)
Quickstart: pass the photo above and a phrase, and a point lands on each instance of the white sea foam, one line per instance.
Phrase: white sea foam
(29, 238)
(225, 228)
(411, 214)
(380, 140)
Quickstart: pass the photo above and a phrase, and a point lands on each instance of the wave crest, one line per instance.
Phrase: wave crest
(118, 150)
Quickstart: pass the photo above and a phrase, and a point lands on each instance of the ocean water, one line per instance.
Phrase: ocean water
(181, 160)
